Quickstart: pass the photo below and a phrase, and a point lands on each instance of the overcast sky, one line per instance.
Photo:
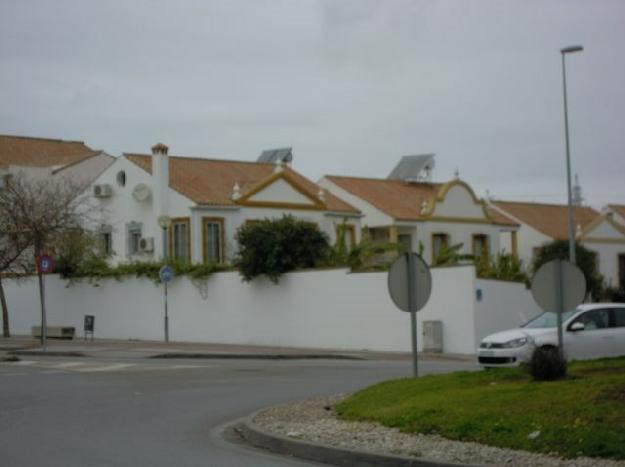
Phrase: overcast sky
(350, 85)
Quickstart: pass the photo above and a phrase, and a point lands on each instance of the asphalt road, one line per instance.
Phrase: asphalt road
(131, 412)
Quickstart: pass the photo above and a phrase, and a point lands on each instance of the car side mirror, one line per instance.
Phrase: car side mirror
(577, 327)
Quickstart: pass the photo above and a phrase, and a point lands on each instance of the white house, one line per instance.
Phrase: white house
(542, 223)
(420, 215)
(207, 200)
(46, 157)
(618, 212)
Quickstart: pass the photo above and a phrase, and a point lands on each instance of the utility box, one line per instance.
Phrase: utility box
(433, 336)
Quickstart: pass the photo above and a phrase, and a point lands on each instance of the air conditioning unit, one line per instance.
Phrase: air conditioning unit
(102, 191)
(146, 244)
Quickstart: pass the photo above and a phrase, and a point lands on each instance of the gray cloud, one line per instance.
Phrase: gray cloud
(351, 85)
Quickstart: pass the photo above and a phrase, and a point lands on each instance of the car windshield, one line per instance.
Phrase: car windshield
(548, 319)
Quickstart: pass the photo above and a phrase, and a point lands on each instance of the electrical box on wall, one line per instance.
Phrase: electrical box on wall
(432, 336)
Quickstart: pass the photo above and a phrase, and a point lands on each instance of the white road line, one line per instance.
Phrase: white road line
(68, 364)
(114, 367)
(184, 367)
(25, 362)
(53, 372)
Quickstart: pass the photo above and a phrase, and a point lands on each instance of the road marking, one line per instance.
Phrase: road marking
(53, 372)
(117, 366)
(184, 367)
(68, 364)
(24, 362)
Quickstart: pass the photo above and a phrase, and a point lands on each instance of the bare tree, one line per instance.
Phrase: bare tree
(33, 211)
(14, 243)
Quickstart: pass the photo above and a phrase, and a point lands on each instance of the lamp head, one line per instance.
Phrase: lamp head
(572, 49)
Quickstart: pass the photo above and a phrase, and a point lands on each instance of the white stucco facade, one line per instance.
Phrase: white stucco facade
(372, 216)
(456, 213)
(122, 211)
(608, 241)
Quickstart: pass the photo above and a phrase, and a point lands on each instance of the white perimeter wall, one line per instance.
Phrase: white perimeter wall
(503, 305)
(324, 309)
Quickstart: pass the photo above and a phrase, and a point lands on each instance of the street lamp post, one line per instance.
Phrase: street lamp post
(564, 51)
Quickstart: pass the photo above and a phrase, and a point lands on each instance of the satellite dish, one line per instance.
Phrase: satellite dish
(141, 192)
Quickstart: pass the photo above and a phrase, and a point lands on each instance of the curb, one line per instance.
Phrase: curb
(252, 356)
(48, 353)
(279, 444)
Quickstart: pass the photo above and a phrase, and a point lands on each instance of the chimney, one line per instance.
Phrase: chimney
(160, 181)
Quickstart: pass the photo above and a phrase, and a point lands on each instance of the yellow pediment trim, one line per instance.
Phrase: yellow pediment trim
(316, 203)
(442, 193)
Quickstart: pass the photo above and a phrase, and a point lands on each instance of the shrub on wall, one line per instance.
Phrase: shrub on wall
(504, 266)
(272, 247)
(95, 268)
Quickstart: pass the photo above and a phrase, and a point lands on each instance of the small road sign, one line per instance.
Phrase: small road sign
(398, 283)
(559, 286)
(410, 285)
(166, 274)
(45, 263)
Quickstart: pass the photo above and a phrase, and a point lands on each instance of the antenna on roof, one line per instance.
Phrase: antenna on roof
(577, 198)
(416, 168)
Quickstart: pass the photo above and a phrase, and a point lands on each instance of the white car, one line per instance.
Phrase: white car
(590, 331)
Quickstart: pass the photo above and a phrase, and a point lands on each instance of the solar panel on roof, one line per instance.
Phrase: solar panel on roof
(413, 168)
(276, 155)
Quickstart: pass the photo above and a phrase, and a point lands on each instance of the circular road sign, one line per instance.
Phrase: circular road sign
(166, 274)
(557, 277)
(45, 263)
(398, 286)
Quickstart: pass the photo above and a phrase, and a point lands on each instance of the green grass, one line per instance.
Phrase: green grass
(582, 415)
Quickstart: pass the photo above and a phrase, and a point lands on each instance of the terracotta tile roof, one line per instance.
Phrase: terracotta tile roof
(40, 152)
(396, 198)
(618, 208)
(549, 219)
(501, 219)
(399, 199)
(210, 181)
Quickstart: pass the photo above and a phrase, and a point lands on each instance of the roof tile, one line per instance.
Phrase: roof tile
(549, 219)
(40, 152)
(210, 181)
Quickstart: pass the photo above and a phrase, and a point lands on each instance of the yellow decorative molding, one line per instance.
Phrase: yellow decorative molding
(602, 240)
(392, 234)
(462, 220)
(222, 235)
(514, 244)
(596, 222)
(442, 193)
(179, 220)
(316, 203)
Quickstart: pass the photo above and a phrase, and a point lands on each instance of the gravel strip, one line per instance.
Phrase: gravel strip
(314, 420)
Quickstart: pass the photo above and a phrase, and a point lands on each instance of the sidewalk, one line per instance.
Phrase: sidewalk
(110, 348)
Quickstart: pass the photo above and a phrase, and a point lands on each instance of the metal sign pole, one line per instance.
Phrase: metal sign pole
(559, 303)
(166, 316)
(412, 306)
(42, 296)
